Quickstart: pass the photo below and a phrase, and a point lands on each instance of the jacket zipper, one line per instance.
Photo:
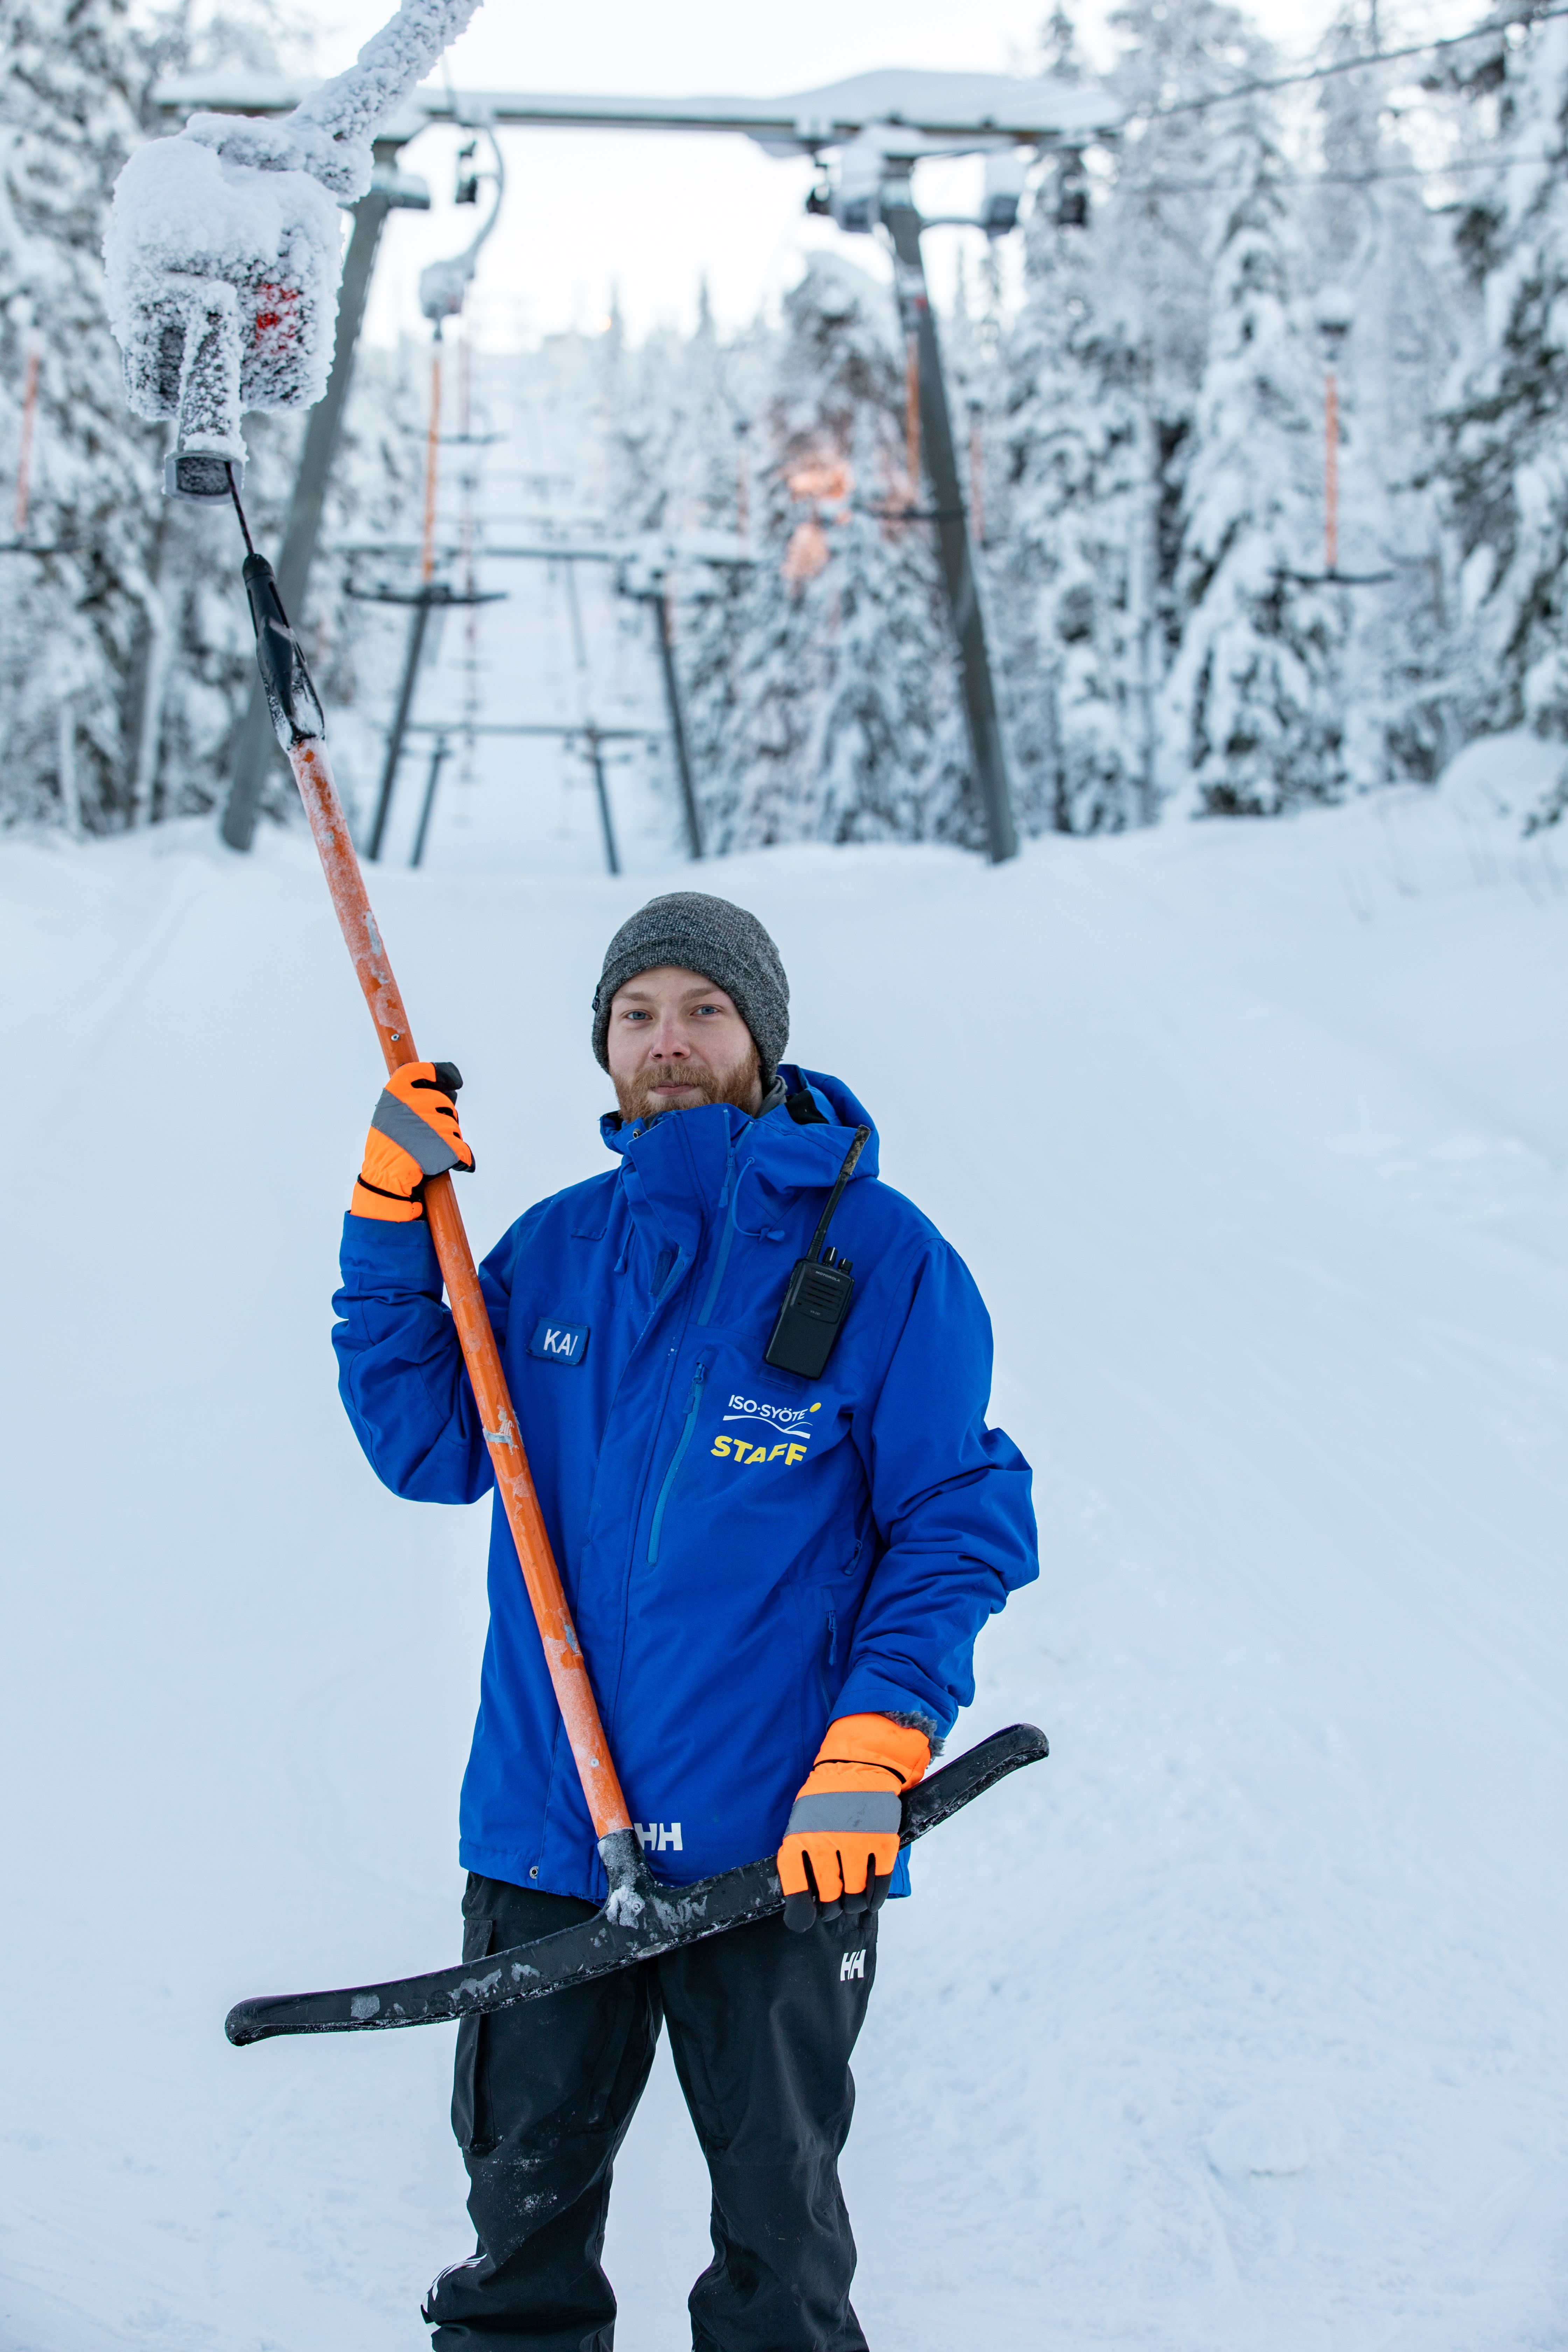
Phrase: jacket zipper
(832, 1635)
(727, 1202)
(693, 1404)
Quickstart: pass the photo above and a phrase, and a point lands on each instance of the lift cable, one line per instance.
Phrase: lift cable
(1337, 179)
(1525, 17)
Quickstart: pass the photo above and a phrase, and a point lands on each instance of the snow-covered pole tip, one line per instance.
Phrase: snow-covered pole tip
(224, 246)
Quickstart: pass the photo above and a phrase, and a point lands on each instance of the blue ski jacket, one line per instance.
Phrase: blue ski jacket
(747, 1554)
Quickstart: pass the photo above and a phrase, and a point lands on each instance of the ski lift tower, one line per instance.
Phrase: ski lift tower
(868, 133)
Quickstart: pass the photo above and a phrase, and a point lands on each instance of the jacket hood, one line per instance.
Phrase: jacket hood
(784, 1150)
(686, 1168)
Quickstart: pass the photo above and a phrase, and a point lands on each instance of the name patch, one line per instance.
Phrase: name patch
(560, 1343)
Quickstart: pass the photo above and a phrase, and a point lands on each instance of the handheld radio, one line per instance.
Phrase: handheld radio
(816, 1299)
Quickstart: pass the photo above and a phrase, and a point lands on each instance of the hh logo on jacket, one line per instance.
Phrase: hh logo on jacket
(790, 1427)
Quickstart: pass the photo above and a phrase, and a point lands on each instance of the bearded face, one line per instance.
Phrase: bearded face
(675, 1042)
(660, 1088)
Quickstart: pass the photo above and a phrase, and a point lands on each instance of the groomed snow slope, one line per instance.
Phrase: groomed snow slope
(1239, 2026)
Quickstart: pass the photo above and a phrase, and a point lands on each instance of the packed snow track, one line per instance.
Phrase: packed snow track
(1239, 2025)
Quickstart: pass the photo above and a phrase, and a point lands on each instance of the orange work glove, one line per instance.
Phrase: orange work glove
(414, 1134)
(842, 1840)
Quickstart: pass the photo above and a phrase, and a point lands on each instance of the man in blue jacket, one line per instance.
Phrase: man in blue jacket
(777, 1581)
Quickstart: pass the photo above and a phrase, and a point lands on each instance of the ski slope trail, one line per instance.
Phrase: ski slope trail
(1238, 2027)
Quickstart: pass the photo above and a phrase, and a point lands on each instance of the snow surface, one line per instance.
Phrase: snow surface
(1239, 2025)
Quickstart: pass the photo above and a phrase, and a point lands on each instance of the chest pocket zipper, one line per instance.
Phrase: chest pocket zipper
(693, 1406)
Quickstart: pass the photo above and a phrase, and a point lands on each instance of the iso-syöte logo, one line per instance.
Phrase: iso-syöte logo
(790, 1427)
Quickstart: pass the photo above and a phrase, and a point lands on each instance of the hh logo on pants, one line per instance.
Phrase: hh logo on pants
(853, 1964)
(657, 1835)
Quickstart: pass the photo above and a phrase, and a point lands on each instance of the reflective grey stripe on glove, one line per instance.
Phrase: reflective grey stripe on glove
(846, 1810)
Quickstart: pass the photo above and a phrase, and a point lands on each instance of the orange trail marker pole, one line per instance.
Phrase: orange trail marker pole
(1331, 471)
(24, 458)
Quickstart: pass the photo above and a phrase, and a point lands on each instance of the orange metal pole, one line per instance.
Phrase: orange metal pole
(25, 460)
(568, 1669)
(1331, 471)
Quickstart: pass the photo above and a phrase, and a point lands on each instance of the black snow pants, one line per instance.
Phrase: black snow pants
(762, 2023)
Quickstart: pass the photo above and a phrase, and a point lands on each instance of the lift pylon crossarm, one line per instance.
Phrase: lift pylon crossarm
(721, 551)
(976, 108)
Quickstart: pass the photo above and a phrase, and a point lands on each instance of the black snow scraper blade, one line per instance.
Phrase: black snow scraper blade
(664, 1919)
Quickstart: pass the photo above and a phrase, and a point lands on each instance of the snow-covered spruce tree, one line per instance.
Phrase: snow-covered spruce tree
(1253, 718)
(670, 418)
(823, 693)
(701, 466)
(1073, 575)
(1370, 237)
(72, 622)
(1505, 462)
(1103, 369)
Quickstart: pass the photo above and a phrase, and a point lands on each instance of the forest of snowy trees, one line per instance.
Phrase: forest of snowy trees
(1146, 412)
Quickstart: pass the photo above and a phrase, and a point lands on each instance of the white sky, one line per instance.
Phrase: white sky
(651, 213)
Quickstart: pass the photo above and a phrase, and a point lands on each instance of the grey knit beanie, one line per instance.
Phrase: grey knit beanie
(725, 944)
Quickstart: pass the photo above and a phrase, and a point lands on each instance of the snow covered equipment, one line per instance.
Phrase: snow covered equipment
(226, 243)
(444, 285)
(616, 1938)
